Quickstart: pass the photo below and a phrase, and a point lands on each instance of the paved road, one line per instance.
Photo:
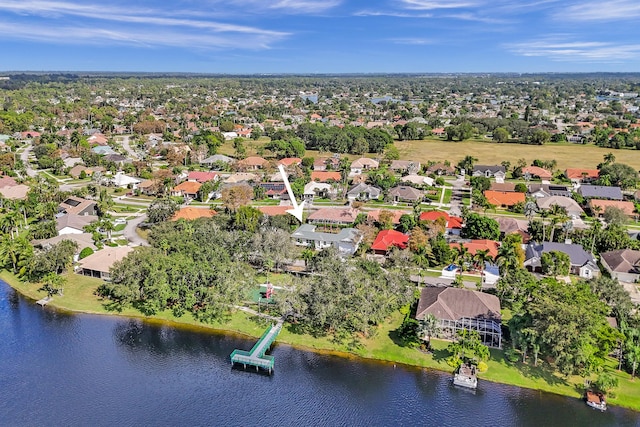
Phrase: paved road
(459, 189)
(128, 149)
(24, 156)
(130, 234)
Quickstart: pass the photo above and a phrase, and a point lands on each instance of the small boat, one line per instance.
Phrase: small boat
(465, 376)
(595, 399)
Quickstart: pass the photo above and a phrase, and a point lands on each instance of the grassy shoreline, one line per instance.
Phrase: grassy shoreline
(383, 347)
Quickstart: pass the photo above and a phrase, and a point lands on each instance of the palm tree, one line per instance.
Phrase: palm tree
(481, 257)
(460, 256)
(429, 326)
(609, 158)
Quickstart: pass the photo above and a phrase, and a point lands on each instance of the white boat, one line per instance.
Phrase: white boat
(595, 400)
(465, 376)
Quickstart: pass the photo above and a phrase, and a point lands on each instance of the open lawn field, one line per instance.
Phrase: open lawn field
(490, 153)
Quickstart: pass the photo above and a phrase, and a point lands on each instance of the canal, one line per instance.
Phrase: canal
(81, 370)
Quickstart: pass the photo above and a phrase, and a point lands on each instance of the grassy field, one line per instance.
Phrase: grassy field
(567, 155)
(79, 296)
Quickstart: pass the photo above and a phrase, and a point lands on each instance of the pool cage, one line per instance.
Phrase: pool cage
(488, 329)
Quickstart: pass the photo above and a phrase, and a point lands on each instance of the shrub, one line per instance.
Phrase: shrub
(512, 355)
(85, 253)
(483, 367)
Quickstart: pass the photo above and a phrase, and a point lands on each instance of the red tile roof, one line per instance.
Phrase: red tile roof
(201, 176)
(537, 171)
(324, 176)
(580, 173)
(504, 198)
(389, 238)
(627, 207)
(188, 187)
(274, 210)
(375, 215)
(336, 215)
(451, 221)
(288, 161)
(253, 161)
(478, 245)
(190, 213)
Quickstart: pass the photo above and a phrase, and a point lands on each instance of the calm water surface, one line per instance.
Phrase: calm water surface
(68, 370)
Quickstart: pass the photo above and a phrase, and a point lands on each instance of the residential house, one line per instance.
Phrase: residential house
(326, 163)
(124, 181)
(441, 169)
(504, 198)
(418, 180)
(252, 163)
(600, 192)
(116, 158)
(548, 190)
(598, 207)
(510, 225)
(363, 164)
(217, 159)
(99, 263)
(622, 264)
(363, 192)
(473, 246)
(405, 167)
(326, 176)
(374, 215)
(83, 240)
(334, 216)
(78, 206)
(572, 208)
(73, 224)
(537, 172)
(346, 241)
(453, 224)
(240, 177)
(14, 192)
(275, 190)
(103, 150)
(319, 189)
(462, 309)
(288, 162)
(404, 193)
(190, 213)
(508, 187)
(77, 170)
(202, 177)
(388, 239)
(583, 263)
(490, 171)
(149, 187)
(187, 189)
(581, 176)
(274, 210)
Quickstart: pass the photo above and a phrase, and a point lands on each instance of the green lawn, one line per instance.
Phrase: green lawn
(447, 196)
(79, 296)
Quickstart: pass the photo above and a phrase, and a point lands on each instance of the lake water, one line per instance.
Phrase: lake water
(80, 370)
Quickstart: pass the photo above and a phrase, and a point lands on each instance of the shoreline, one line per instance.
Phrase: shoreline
(242, 325)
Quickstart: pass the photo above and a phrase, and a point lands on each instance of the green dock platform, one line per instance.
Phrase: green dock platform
(256, 356)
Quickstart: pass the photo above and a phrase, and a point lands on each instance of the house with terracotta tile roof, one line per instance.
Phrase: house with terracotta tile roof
(186, 189)
(325, 176)
(202, 177)
(374, 215)
(326, 163)
(190, 213)
(537, 172)
(578, 176)
(99, 263)
(598, 207)
(78, 206)
(476, 245)
(339, 216)
(363, 164)
(405, 166)
(453, 224)
(388, 239)
(504, 198)
(274, 190)
(290, 161)
(252, 163)
(274, 210)
(14, 192)
(508, 225)
(571, 206)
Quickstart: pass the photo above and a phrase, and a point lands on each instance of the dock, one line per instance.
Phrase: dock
(44, 301)
(256, 356)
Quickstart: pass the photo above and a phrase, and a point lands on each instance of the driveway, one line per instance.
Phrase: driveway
(130, 234)
(458, 191)
(24, 156)
(127, 147)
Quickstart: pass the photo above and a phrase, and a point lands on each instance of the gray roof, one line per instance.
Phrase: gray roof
(74, 221)
(218, 158)
(577, 254)
(622, 260)
(84, 240)
(550, 189)
(455, 303)
(492, 168)
(307, 231)
(364, 188)
(600, 192)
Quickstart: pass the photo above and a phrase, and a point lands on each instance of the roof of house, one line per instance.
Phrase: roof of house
(365, 162)
(406, 193)
(441, 167)
(451, 221)
(188, 187)
(341, 215)
(491, 168)
(622, 260)
(362, 188)
(576, 173)
(7, 181)
(15, 192)
(190, 213)
(417, 179)
(308, 232)
(74, 221)
(503, 186)
(537, 171)
(75, 205)
(504, 198)
(403, 164)
(104, 259)
(455, 303)
(474, 246)
(566, 202)
(288, 161)
(218, 158)
(374, 215)
(274, 210)
(241, 177)
(510, 225)
(201, 176)
(550, 189)
(253, 161)
(84, 240)
(600, 192)
(577, 254)
(387, 239)
(323, 176)
(627, 207)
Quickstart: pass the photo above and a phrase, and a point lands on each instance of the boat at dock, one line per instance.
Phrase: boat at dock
(465, 376)
(595, 399)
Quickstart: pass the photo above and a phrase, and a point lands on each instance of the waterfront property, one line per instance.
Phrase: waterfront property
(256, 356)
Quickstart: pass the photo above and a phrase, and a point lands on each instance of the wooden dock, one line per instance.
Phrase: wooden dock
(44, 301)
(256, 356)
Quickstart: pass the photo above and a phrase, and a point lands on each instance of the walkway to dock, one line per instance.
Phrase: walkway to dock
(256, 356)
(44, 301)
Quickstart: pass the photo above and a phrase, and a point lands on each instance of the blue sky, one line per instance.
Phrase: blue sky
(320, 36)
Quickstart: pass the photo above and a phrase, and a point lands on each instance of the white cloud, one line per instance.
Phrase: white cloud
(588, 51)
(412, 41)
(430, 5)
(392, 14)
(601, 11)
